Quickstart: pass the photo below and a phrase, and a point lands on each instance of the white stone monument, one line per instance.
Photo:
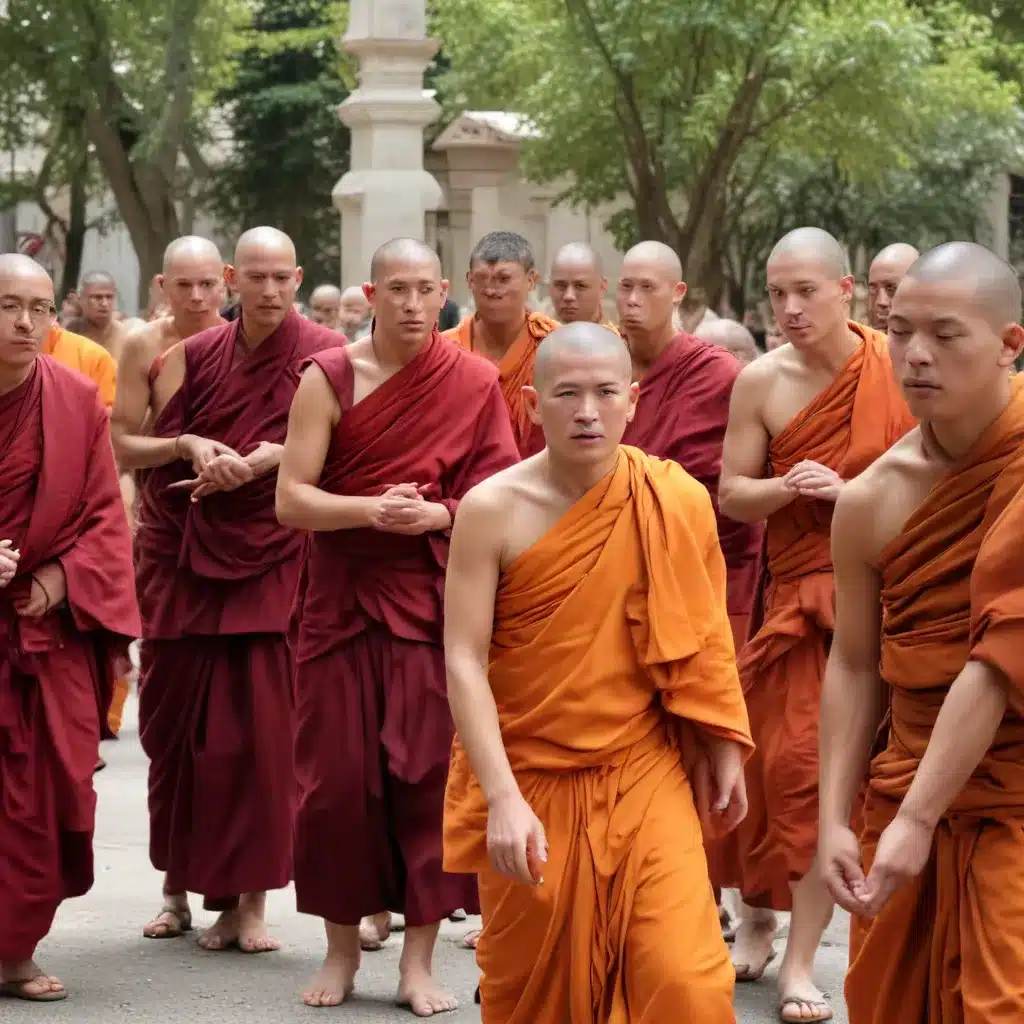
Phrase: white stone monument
(387, 192)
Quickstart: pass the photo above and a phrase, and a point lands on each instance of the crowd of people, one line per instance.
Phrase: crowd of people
(576, 622)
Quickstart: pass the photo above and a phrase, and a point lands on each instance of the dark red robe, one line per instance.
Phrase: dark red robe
(374, 728)
(682, 415)
(59, 501)
(216, 585)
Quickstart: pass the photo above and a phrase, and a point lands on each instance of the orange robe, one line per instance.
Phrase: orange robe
(611, 632)
(948, 947)
(86, 356)
(846, 427)
(515, 371)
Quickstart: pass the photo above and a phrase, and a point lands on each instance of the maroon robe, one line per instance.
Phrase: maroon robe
(216, 585)
(59, 501)
(682, 415)
(374, 728)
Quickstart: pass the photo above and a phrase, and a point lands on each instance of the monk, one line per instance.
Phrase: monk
(730, 335)
(592, 680)
(384, 439)
(85, 356)
(577, 284)
(325, 306)
(354, 314)
(99, 322)
(692, 311)
(502, 274)
(804, 419)
(216, 578)
(67, 614)
(887, 269)
(927, 549)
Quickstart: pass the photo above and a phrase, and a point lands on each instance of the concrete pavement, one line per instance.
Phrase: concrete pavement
(116, 975)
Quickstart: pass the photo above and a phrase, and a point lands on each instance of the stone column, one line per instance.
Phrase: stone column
(387, 192)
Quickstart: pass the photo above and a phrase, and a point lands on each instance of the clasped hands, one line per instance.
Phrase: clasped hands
(902, 853)
(813, 480)
(220, 468)
(48, 589)
(402, 508)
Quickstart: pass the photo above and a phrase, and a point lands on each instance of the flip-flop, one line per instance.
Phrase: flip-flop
(16, 990)
(470, 939)
(756, 974)
(800, 1003)
(183, 917)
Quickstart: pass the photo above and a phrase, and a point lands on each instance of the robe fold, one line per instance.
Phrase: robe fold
(87, 357)
(682, 415)
(846, 427)
(515, 371)
(611, 646)
(948, 947)
(216, 582)
(374, 727)
(59, 501)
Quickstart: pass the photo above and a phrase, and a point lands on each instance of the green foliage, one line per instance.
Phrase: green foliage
(289, 146)
(696, 113)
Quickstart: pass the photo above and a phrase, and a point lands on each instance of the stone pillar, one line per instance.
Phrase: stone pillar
(997, 212)
(387, 192)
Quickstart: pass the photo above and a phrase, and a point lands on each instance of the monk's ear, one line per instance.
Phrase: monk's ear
(298, 276)
(532, 402)
(445, 285)
(230, 275)
(158, 280)
(531, 279)
(1013, 342)
(846, 287)
(679, 292)
(634, 397)
(604, 285)
(370, 291)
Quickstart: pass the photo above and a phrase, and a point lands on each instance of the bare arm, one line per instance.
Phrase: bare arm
(851, 698)
(301, 503)
(743, 492)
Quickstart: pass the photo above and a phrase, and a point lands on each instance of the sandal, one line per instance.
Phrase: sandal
(182, 923)
(470, 939)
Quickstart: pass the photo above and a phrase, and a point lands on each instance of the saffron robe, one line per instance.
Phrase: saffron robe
(611, 650)
(682, 415)
(374, 726)
(216, 583)
(59, 502)
(948, 947)
(85, 356)
(846, 427)
(515, 370)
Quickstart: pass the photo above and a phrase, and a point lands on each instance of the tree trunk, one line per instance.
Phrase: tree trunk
(74, 242)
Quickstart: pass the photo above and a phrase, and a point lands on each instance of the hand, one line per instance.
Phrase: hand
(719, 786)
(224, 473)
(49, 588)
(516, 842)
(264, 458)
(402, 509)
(840, 863)
(812, 480)
(9, 556)
(903, 850)
(200, 451)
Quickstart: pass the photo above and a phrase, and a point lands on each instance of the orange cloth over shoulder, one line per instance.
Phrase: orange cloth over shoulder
(948, 948)
(87, 357)
(846, 427)
(611, 645)
(515, 371)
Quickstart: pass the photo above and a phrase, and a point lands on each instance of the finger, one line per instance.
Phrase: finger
(840, 891)
(184, 485)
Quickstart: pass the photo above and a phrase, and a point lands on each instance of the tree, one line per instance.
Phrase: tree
(289, 148)
(133, 79)
(682, 109)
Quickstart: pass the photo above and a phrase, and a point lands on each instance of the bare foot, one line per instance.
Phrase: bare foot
(174, 920)
(753, 951)
(471, 939)
(253, 936)
(727, 923)
(333, 983)
(26, 981)
(421, 994)
(801, 1000)
(374, 932)
(223, 934)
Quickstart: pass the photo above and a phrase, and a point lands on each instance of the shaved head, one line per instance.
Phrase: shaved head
(887, 269)
(353, 293)
(590, 341)
(97, 279)
(656, 254)
(260, 241)
(403, 250)
(899, 254)
(730, 335)
(326, 293)
(16, 267)
(26, 316)
(650, 287)
(991, 281)
(191, 249)
(577, 254)
(266, 277)
(577, 284)
(812, 245)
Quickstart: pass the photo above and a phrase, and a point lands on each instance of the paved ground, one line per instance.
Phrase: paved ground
(115, 975)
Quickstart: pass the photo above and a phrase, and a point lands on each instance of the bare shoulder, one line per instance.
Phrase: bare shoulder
(754, 379)
(144, 338)
(360, 353)
(494, 495)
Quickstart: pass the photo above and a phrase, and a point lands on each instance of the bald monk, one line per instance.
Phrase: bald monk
(887, 269)
(592, 680)
(216, 580)
(577, 284)
(384, 439)
(85, 356)
(354, 313)
(730, 335)
(803, 420)
(67, 613)
(927, 549)
(685, 385)
(99, 322)
(325, 306)
(502, 274)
